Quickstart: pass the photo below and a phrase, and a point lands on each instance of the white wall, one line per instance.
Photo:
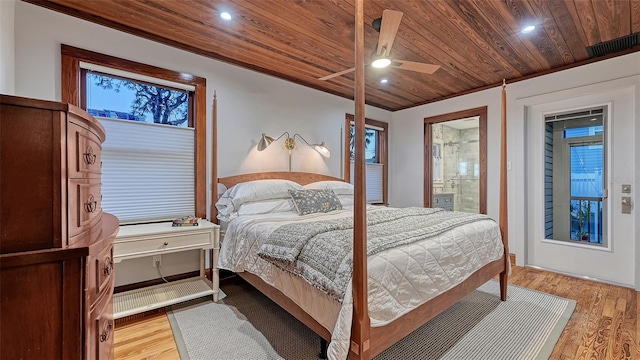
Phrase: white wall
(407, 128)
(249, 103)
(7, 48)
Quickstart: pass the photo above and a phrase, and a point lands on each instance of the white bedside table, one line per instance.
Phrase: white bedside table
(134, 241)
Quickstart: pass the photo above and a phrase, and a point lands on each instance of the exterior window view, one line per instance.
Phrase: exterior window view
(586, 191)
(574, 168)
(374, 167)
(113, 97)
(370, 144)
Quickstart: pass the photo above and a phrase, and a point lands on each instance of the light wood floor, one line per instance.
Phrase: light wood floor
(604, 325)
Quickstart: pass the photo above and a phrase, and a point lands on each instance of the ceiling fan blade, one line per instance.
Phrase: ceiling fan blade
(415, 66)
(388, 29)
(339, 73)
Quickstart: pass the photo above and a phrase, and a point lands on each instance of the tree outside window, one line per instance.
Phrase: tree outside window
(370, 144)
(113, 97)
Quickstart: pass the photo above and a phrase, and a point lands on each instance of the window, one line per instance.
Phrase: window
(375, 156)
(153, 157)
(574, 169)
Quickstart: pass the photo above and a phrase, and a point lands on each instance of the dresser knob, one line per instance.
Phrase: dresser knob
(108, 266)
(91, 204)
(89, 156)
(106, 332)
(165, 243)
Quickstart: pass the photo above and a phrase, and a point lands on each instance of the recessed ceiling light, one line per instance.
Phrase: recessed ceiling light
(528, 29)
(384, 81)
(225, 15)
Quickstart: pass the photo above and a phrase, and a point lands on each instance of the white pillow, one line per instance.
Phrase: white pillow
(266, 207)
(252, 191)
(338, 187)
(221, 189)
(346, 200)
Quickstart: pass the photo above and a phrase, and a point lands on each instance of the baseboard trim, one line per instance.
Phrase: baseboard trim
(583, 277)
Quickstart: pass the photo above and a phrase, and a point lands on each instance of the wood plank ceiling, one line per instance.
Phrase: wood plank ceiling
(477, 43)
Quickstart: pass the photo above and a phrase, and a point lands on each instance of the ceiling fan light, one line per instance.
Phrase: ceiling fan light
(528, 29)
(381, 63)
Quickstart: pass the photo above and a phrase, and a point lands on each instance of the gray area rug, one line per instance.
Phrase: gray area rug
(247, 325)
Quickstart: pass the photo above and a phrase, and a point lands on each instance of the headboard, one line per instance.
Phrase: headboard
(301, 178)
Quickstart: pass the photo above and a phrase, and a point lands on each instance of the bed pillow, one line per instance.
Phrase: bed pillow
(221, 189)
(338, 187)
(266, 207)
(314, 201)
(252, 191)
(346, 200)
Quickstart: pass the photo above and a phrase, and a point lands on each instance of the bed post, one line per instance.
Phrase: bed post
(214, 159)
(214, 173)
(504, 222)
(360, 331)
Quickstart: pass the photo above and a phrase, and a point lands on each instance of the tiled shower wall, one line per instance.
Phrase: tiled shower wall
(461, 167)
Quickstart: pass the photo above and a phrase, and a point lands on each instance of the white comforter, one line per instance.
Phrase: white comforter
(400, 279)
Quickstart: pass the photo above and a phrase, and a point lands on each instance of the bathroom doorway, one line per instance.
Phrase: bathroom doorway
(456, 161)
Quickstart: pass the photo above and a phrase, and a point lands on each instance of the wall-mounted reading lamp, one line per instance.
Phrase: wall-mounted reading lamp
(290, 144)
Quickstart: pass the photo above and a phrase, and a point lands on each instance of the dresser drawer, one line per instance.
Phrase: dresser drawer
(84, 153)
(162, 243)
(101, 330)
(85, 205)
(100, 275)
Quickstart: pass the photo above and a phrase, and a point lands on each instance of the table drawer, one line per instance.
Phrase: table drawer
(85, 205)
(100, 278)
(161, 243)
(84, 151)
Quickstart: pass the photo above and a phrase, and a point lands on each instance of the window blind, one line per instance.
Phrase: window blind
(148, 171)
(373, 173)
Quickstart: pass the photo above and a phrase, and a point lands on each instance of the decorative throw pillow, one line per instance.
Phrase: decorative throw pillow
(314, 201)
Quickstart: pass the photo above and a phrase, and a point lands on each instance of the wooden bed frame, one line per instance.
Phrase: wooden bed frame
(384, 336)
(367, 342)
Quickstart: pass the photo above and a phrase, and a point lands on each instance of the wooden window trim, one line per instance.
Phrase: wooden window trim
(73, 90)
(383, 152)
(481, 112)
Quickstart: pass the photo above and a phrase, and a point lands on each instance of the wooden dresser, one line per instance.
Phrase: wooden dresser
(56, 244)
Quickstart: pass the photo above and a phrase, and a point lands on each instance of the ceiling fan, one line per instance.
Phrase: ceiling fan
(387, 26)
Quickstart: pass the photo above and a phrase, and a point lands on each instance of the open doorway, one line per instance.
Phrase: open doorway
(456, 161)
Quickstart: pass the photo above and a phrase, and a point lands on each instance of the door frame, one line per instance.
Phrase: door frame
(620, 97)
(481, 113)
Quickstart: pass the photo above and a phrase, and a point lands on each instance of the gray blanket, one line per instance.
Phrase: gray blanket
(322, 251)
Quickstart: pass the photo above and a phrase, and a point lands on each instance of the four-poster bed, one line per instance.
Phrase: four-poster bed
(367, 341)
(285, 291)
